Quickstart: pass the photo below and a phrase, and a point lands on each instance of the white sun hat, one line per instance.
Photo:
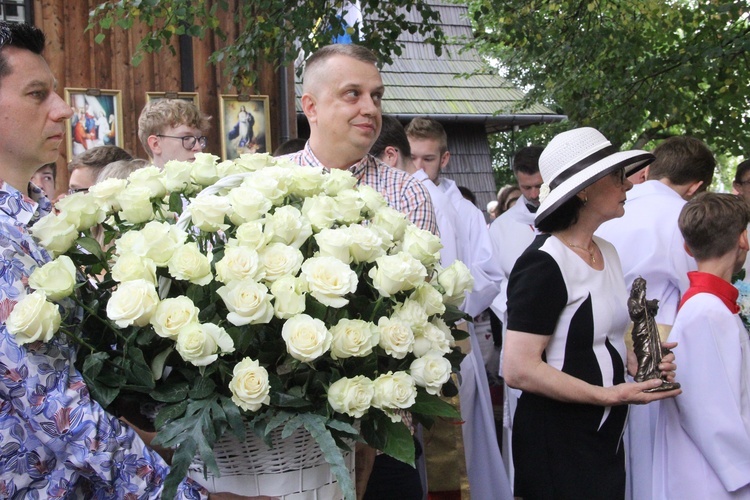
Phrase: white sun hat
(578, 158)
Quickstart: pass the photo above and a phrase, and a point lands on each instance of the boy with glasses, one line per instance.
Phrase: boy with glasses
(172, 129)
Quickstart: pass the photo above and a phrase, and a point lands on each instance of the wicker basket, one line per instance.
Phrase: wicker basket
(294, 469)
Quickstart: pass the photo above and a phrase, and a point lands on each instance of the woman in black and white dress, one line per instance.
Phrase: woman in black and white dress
(567, 316)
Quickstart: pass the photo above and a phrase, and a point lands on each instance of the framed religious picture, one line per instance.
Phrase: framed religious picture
(96, 120)
(185, 96)
(244, 125)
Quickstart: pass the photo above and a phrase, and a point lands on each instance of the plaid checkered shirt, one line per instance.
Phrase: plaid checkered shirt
(401, 190)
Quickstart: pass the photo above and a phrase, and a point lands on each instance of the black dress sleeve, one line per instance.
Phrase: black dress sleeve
(536, 293)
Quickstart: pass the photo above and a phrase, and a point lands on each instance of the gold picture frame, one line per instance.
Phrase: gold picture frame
(185, 96)
(244, 125)
(96, 120)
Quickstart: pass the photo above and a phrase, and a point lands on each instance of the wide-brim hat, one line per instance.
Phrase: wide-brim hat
(578, 158)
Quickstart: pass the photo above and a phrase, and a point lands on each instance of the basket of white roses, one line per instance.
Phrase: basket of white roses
(224, 301)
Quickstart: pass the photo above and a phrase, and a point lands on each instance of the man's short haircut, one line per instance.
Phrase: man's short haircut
(324, 53)
(393, 134)
(19, 35)
(683, 160)
(526, 160)
(710, 223)
(741, 169)
(290, 146)
(98, 157)
(120, 169)
(426, 128)
(158, 116)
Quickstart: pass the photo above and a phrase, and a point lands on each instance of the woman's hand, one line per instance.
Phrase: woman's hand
(667, 364)
(633, 392)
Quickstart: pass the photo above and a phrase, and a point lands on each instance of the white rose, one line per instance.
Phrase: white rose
(353, 338)
(105, 193)
(456, 280)
(189, 264)
(366, 244)
(372, 199)
(135, 204)
(247, 204)
(320, 211)
(33, 319)
(203, 171)
(349, 205)
(329, 280)
(55, 234)
(422, 245)
(267, 185)
(248, 302)
(81, 210)
(130, 242)
(208, 212)
(201, 343)
(431, 371)
(395, 273)
(282, 175)
(412, 313)
(239, 263)
(395, 337)
(130, 267)
(306, 338)
(429, 298)
(172, 315)
(287, 226)
(391, 221)
(251, 162)
(132, 303)
(440, 324)
(307, 181)
(177, 177)
(151, 178)
(280, 260)
(229, 167)
(337, 181)
(394, 391)
(335, 243)
(158, 241)
(432, 338)
(351, 396)
(56, 279)
(249, 385)
(289, 297)
(251, 235)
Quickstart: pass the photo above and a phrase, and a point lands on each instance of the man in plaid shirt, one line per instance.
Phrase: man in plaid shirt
(342, 94)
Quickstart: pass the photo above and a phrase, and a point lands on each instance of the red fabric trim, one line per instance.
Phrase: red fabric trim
(709, 283)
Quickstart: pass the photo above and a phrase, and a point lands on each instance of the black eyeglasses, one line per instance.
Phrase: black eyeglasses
(78, 190)
(188, 141)
(619, 175)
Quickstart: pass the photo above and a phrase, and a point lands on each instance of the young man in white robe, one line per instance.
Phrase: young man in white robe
(486, 473)
(650, 245)
(702, 440)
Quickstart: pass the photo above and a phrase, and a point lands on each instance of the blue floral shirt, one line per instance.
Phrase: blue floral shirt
(55, 442)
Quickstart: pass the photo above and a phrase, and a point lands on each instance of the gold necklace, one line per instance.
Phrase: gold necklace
(590, 252)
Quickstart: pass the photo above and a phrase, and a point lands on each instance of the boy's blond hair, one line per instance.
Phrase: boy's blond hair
(158, 116)
(427, 128)
(711, 223)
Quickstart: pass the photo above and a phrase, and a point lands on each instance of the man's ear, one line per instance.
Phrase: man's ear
(743, 243)
(390, 156)
(687, 249)
(444, 159)
(309, 107)
(154, 144)
(692, 189)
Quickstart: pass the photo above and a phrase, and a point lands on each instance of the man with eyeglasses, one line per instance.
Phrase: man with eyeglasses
(85, 167)
(172, 129)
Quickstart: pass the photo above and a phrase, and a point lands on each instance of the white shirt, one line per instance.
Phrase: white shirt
(446, 216)
(475, 250)
(510, 234)
(702, 441)
(650, 245)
